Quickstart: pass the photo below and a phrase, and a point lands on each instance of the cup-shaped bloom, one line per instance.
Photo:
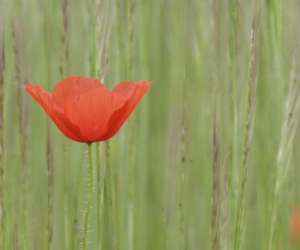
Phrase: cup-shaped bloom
(84, 110)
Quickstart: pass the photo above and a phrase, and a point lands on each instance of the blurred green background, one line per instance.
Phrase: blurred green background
(209, 159)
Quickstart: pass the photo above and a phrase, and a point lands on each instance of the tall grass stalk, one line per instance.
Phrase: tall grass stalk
(220, 195)
(285, 149)
(64, 38)
(49, 137)
(274, 15)
(98, 35)
(111, 201)
(19, 135)
(50, 171)
(103, 28)
(131, 4)
(86, 223)
(100, 170)
(111, 175)
(63, 69)
(233, 78)
(249, 123)
(76, 229)
(130, 26)
(182, 166)
(22, 125)
(223, 214)
(181, 182)
(233, 85)
(2, 148)
(216, 185)
(102, 34)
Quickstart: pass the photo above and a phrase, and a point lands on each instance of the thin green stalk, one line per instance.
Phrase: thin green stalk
(2, 168)
(64, 38)
(112, 197)
(78, 181)
(181, 172)
(98, 37)
(50, 171)
(274, 29)
(99, 68)
(49, 140)
(216, 187)
(115, 185)
(100, 195)
(88, 208)
(215, 206)
(233, 85)
(130, 17)
(285, 150)
(19, 134)
(233, 80)
(100, 185)
(131, 195)
(102, 31)
(181, 183)
(22, 124)
(63, 69)
(275, 15)
(220, 199)
(249, 123)
(131, 182)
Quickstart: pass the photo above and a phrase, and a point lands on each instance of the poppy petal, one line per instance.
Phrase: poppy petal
(133, 93)
(91, 112)
(45, 100)
(74, 86)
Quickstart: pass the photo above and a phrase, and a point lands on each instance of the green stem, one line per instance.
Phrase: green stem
(87, 211)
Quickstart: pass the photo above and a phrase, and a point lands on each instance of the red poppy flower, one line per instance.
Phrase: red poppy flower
(85, 110)
(295, 225)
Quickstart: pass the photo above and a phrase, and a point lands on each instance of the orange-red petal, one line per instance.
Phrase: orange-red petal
(45, 100)
(91, 112)
(74, 86)
(133, 93)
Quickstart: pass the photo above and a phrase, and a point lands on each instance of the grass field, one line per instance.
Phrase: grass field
(208, 160)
